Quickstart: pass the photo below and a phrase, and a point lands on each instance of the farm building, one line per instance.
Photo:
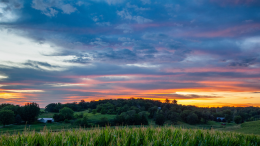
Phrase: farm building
(221, 119)
(46, 120)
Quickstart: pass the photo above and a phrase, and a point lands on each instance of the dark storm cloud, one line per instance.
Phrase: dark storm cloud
(38, 65)
(244, 63)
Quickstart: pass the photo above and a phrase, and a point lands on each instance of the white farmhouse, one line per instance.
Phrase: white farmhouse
(46, 120)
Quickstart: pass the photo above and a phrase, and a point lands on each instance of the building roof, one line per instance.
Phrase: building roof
(45, 118)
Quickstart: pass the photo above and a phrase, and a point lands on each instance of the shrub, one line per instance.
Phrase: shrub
(18, 119)
(192, 118)
(30, 112)
(238, 119)
(66, 121)
(174, 117)
(6, 117)
(103, 121)
(94, 111)
(66, 113)
(159, 120)
(58, 118)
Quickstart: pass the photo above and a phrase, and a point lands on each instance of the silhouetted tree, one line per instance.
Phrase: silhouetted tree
(167, 100)
(18, 119)
(160, 119)
(30, 112)
(238, 119)
(174, 117)
(192, 118)
(6, 117)
(174, 101)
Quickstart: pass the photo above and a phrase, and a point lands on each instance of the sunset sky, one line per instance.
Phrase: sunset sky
(200, 52)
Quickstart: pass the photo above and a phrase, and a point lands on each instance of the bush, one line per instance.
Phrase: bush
(159, 120)
(83, 122)
(18, 119)
(192, 119)
(94, 111)
(238, 119)
(66, 113)
(58, 118)
(174, 117)
(66, 121)
(103, 121)
(103, 111)
(30, 112)
(78, 116)
(6, 117)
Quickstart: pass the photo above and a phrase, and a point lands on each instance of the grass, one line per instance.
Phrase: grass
(94, 118)
(53, 126)
(246, 128)
(36, 127)
(131, 136)
(46, 115)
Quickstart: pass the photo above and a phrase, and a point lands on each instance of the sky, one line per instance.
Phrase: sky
(200, 52)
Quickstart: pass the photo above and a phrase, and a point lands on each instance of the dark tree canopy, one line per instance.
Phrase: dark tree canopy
(30, 112)
(67, 113)
(238, 119)
(6, 117)
(160, 119)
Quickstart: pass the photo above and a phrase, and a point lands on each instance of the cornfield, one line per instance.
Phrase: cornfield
(155, 136)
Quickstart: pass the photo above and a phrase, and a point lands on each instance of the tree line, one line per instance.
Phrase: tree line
(15, 114)
(128, 112)
(137, 111)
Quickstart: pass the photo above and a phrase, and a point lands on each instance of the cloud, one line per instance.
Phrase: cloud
(250, 44)
(146, 1)
(244, 62)
(98, 19)
(40, 65)
(136, 8)
(139, 19)
(80, 3)
(110, 2)
(236, 2)
(144, 48)
(177, 96)
(118, 48)
(68, 9)
(155, 36)
(99, 42)
(8, 10)
(51, 7)
(125, 27)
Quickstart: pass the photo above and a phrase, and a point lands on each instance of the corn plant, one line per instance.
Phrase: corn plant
(144, 136)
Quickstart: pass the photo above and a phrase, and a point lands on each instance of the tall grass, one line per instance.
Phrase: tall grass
(160, 136)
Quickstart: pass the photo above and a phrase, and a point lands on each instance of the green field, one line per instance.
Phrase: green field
(245, 128)
(92, 118)
(125, 136)
(53, 126)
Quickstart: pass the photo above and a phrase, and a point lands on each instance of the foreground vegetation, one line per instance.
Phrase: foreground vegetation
(252, 127)
(131, 136)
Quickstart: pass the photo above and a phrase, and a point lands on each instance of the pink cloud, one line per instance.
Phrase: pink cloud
(224, 32)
